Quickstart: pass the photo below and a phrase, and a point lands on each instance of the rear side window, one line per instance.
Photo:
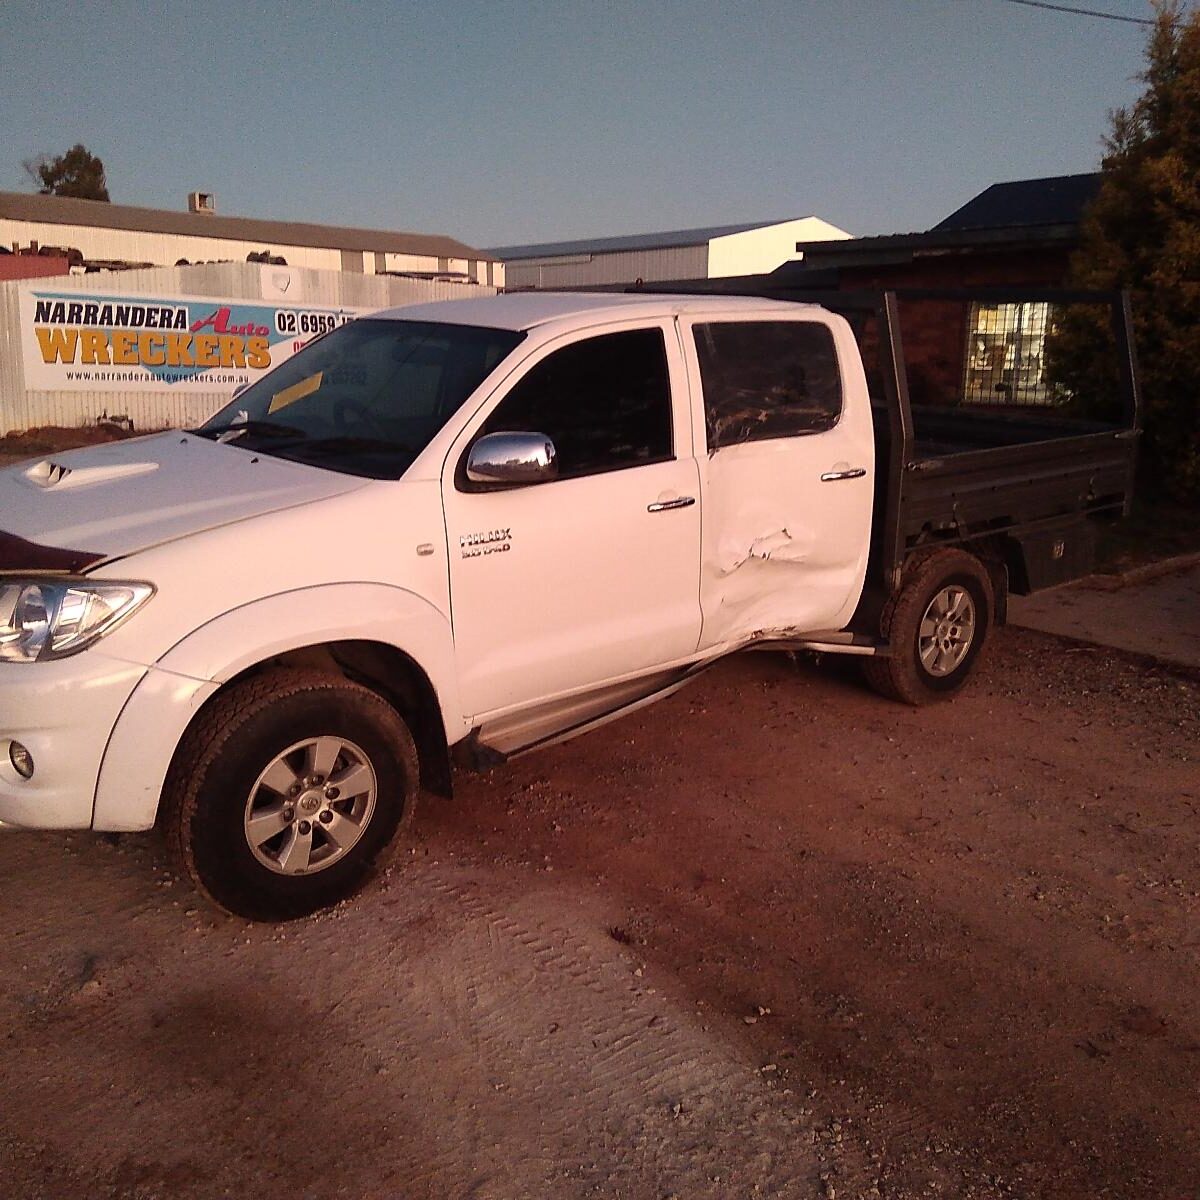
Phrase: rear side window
(604, 402)
(767, 379)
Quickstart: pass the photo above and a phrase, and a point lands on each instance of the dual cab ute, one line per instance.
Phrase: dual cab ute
(464, 530)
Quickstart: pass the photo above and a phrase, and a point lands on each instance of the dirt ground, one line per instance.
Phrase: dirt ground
(52, 439)
(773, 937)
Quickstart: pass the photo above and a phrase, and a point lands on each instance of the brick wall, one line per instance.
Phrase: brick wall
(32, 266)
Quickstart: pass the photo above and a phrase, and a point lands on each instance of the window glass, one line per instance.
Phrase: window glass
(767, 379)
(366, 398)
(1005, 355)
(604, 402)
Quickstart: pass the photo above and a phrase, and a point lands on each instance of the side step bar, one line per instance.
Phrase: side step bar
(838, 642)
(476, 754)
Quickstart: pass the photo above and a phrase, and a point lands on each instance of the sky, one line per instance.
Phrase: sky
(499, 122)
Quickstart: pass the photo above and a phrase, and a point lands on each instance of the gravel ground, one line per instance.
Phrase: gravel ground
(773, 937)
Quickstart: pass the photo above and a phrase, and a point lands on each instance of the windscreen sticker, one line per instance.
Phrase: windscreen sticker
(297, 391)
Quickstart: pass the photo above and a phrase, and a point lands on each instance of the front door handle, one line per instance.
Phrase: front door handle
(849, 473)
(678, 502)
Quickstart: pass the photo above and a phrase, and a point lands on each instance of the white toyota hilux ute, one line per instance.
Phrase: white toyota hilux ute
(458, 530)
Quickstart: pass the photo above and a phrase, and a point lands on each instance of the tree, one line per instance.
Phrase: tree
(78, 173)
(1142, 232)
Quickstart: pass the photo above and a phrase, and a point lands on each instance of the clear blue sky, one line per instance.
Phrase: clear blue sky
(500, 122)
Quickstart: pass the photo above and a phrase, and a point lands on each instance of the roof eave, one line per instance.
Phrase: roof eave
(960, 241)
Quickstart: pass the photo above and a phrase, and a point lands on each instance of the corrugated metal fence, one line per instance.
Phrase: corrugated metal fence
(21, 408)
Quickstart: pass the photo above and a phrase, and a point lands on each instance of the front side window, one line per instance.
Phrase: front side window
(767, 379)
(604, 402)
(365, 399)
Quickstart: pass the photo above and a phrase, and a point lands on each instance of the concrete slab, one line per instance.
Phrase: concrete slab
(1160, 617)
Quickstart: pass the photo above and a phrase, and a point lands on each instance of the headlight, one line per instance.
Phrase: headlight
(42, 619)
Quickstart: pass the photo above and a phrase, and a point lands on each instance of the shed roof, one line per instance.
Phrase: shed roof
(1025, 212)
(1056, 200)
(670, 239)
(63, 210)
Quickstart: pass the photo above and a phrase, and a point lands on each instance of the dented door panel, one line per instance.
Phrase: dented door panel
(787, 519)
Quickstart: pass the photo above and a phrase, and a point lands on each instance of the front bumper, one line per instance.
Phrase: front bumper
(64, 713)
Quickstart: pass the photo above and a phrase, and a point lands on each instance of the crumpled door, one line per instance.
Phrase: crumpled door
(789, 473)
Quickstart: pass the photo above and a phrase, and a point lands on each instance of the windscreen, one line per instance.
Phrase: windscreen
(365, 399)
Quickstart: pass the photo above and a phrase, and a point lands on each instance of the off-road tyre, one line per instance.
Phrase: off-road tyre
(222, 755)
(903, 675)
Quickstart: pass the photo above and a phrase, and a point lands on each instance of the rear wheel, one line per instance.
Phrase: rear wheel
(286, 789)
(936, 626)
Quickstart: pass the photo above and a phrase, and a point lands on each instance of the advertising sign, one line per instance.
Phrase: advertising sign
(93, 341)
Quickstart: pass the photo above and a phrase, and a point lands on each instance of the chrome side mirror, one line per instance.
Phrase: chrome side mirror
(512, 458)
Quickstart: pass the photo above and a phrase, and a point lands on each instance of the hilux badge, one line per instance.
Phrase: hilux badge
(491, 541)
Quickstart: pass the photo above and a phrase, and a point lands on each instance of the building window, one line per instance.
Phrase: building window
(604, 402)
(767, 379)
(1006, 353)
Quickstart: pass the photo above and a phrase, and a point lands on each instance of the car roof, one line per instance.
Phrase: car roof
(526, 310)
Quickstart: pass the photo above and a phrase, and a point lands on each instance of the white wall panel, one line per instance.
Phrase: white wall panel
(759, 251)
(131, 245)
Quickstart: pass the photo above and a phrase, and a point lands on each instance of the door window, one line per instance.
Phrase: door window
(604, 402)
(767, 379)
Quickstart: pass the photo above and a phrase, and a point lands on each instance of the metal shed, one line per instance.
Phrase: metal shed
(715, 251)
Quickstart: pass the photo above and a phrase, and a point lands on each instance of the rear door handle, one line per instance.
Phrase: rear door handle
(678, 502)
(849, 473)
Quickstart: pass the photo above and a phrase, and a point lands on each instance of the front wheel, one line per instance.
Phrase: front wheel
(286, 789)
(936, 626)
